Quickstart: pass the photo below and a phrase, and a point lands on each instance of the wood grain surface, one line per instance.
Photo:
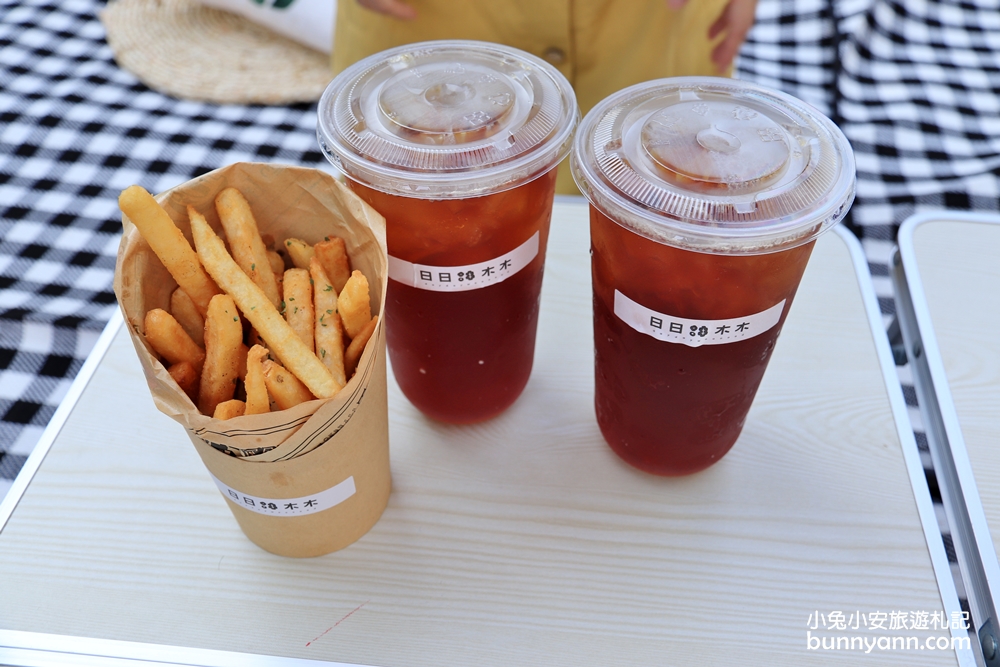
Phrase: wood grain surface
(959, 265)
(520, 541)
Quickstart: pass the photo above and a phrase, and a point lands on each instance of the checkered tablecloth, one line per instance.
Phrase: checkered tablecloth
(915, 85)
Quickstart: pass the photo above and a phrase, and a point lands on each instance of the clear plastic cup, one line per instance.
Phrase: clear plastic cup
(456, 144)
(706, 198)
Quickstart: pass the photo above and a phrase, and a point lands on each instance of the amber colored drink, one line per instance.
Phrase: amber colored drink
(456, 143)
(665, 407)
(464, 356)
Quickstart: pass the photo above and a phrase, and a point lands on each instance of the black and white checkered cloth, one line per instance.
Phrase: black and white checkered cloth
(914, 84)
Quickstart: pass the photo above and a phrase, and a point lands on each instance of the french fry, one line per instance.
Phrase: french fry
(277, 264)
(186, 377)
(168, 338)
(185, 312)
(256, 307)
(229, 409)
(354, 304)
(353, 353)
(169, 244)
(223, 338)
(284, 388)
(298, 304)
(244, 240)
(329, 328)
(300, 252)
(257, 399)
(332, 254)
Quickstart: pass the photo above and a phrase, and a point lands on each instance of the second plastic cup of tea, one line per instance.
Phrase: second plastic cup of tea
(456, 144)
(706, 198)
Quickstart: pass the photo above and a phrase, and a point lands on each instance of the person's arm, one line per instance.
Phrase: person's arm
(735, 21)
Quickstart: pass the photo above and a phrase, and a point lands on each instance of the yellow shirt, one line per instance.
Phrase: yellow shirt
(601, 46)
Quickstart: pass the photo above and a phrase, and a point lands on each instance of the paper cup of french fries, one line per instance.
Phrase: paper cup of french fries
(252, 296)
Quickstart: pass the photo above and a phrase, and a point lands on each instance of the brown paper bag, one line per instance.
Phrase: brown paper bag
(308, 480)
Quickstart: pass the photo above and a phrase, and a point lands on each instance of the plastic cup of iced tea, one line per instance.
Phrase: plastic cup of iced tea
(456, 144)
(706, 197)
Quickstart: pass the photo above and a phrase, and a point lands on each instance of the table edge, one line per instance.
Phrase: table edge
(36, 649)
(62, 413)
(974, 546)
(908, 443)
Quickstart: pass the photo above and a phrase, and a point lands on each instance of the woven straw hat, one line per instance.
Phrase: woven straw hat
(184, 49)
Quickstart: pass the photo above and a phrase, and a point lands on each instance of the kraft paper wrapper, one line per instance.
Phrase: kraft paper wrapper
(345, 437)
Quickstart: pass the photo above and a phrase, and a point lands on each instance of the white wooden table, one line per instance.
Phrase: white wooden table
(948, 272)
(520, 541)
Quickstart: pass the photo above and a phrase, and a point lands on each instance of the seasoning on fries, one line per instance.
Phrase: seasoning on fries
(332, 254)
(308, 349)
(300, 252)
(329, 335)
(245, 242)
(256, 307)
(298, 304)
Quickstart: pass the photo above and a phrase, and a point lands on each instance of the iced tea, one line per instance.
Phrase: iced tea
(706, 197)
(664, 406)
(456, 143)
(465, 356)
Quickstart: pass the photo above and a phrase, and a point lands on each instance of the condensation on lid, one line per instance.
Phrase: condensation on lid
(447, 119)
(714, 165)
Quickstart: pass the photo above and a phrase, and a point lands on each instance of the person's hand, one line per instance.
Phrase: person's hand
(394, 8)
(735, 21)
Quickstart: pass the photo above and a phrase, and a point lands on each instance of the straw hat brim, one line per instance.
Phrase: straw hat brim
(187, 50)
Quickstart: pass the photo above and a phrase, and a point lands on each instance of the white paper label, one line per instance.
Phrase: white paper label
(317, 502)
(464, 278)
(694, 333)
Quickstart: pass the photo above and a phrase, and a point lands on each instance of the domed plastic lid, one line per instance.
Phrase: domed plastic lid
(447, 119)
(714, 165)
